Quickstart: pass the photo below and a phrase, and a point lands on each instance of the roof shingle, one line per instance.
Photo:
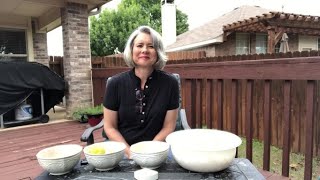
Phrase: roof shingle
(214, 28)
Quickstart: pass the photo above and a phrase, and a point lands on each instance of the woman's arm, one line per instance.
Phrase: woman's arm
(169, 125)
(111, 128)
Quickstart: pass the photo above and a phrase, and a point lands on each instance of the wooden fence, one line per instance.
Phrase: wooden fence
(173, 57)
(56, 64)
(276, 101)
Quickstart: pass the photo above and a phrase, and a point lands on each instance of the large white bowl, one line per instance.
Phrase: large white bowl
(203, 150)
(114, 153)
(149, 154)
(60, 159)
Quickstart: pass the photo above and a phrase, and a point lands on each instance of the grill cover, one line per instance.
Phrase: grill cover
(20, 81)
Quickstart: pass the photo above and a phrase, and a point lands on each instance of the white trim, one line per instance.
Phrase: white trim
(29, 38)
(13, 55)
(196, 45)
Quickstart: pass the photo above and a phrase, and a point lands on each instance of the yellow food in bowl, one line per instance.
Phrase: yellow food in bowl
(104, 155)
(97, 150)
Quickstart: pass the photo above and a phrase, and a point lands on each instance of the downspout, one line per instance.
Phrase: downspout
(93, 13)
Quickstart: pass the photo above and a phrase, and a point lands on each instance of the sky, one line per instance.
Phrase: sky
(201, 11)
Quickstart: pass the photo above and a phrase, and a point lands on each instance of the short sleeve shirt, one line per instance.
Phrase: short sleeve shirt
(141, 119)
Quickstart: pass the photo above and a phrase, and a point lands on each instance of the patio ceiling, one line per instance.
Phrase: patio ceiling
(45, 12)
(279, 21)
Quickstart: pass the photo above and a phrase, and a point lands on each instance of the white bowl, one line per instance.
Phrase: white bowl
(203, 150)
(114, 153)
(60, 159)
(149, 154)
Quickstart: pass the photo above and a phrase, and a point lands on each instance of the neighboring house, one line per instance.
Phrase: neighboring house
(251, 30)
(23, 28)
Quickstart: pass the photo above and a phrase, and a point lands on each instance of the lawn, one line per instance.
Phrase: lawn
(296, 171)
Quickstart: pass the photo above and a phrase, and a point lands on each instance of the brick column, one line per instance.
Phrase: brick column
(40, 48)
(77, 56)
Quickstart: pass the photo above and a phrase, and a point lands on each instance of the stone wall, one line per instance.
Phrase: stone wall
(40, 48)
(77, 56)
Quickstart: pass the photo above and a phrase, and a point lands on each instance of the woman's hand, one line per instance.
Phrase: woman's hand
(168, 126)
(127, 152)
(111, 129)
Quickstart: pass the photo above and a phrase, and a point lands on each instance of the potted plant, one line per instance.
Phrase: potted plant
(92, 115)
(79, 114)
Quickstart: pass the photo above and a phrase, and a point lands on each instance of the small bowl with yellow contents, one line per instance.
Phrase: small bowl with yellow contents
(104, 156)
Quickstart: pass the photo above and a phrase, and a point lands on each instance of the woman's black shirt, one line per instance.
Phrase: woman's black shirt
(141, 113)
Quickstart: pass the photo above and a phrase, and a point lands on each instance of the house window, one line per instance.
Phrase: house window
(261, 43)
(306, 49)
(318, 43)
(242, 43)
(13, 44)
(307, 43)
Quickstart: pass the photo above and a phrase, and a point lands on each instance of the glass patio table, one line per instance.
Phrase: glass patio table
(240, 168)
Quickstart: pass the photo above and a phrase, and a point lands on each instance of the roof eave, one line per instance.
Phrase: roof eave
(197, 45)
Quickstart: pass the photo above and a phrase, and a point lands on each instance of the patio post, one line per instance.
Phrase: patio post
(77, 56)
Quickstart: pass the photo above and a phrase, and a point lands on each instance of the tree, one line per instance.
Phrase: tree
(111, 29)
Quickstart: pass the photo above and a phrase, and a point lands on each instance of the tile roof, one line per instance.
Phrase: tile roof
(214, 28)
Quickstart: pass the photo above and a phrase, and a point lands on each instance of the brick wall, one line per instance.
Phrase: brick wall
(293, 42)
(77, 57)
(210, 50)
(40, 48)
(226, 48)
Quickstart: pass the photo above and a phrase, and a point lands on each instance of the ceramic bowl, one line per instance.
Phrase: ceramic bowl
(203, 150)
(113, 154)
(60, 159)
(149, 154)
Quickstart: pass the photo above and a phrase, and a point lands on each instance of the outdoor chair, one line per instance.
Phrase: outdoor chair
(181, 122)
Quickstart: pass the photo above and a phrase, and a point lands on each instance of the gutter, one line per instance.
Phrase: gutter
(93, 13)
(196, 45)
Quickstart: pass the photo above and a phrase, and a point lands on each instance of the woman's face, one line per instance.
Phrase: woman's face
(143, 52)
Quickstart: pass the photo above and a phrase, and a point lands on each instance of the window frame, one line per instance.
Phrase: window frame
(261, 39)
(15, 56)
(242, 39)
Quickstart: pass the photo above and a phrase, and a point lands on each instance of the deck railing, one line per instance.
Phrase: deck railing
(274, 100)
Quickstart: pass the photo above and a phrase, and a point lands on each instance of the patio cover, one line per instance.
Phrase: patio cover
(18, 81)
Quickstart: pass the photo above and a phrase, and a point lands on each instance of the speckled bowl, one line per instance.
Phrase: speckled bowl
(114, 154)
(60, 159)
(149, 154)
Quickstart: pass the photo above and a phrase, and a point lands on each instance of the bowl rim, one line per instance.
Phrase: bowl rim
(141, 142)
(85, 149)
(237, 143)
(38, 155)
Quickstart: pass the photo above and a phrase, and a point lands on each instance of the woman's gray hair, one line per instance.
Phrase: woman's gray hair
(157, 44)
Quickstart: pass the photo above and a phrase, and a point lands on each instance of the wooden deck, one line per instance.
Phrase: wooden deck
(19, 146)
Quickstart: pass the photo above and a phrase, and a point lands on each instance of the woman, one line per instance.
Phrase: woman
(141, 104)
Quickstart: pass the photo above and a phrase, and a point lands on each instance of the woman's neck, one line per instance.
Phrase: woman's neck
(143, 74)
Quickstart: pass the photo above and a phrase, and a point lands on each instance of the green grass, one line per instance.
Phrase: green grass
(296, 171)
